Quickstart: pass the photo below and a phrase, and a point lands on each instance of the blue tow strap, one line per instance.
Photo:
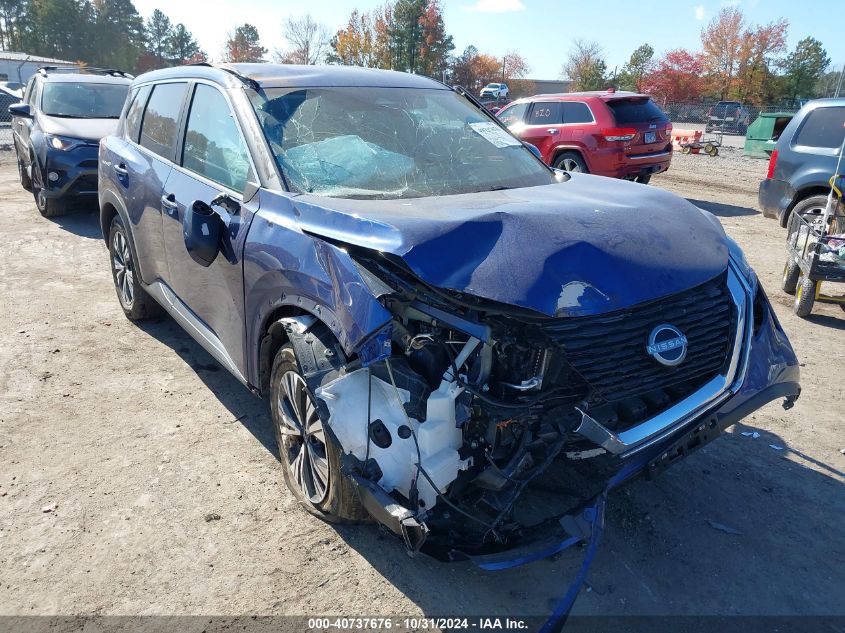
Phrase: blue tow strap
(594, 515)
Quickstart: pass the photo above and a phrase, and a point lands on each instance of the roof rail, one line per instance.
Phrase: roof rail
(249, 81)
(113, 72)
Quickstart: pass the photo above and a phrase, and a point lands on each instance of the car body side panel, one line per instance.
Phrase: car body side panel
(141, 192)
(285, 267)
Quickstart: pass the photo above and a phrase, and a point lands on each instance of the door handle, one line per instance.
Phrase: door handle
(168, 203)
(552, 130)
(121, 170)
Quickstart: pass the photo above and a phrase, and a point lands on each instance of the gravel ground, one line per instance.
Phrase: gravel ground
(137, 477)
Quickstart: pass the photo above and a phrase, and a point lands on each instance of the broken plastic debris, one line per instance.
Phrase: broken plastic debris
(751, 434)
(777, 447)
(723, 528)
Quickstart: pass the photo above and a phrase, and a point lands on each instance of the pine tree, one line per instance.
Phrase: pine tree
(244, 46)
(158, 32)
(182, 48)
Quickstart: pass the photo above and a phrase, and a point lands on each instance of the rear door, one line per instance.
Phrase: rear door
(142, 163)
(20, 126)
(543, 127)
(651, 127)
(213, 161)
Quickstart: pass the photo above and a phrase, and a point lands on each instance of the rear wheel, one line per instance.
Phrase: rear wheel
(791, 273)
(310, 456)
(47, 207)
(805, 296)
(136, 303)
(809, 208)
(571, 162)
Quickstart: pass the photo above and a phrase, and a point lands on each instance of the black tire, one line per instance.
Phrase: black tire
(571, 162)
(47, 207)
(26, 181)
(791, 273)
(644, 180)
(805, 296)
(814, 205)
(320, 487)
(136, 303)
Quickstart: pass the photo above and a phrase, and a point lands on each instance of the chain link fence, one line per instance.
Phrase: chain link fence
(698, 112)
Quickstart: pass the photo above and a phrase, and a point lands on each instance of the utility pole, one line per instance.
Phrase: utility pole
(504, 61)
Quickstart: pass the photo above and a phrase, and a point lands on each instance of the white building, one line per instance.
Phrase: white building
(19, 67)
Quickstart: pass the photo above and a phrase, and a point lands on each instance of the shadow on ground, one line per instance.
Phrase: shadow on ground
(723, 210)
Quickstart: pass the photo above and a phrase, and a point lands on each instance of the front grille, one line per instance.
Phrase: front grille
(609, 350)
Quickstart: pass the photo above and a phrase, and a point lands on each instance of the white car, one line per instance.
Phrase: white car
(496, 91)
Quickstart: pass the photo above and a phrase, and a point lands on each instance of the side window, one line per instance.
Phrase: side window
(576, 112)
(214, 147)
(30, 92)
(545, 113)
(161, 119)
(823, 128)
(513, 115)
(132, 125)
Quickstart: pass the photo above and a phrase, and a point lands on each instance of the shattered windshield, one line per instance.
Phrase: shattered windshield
(391, 143)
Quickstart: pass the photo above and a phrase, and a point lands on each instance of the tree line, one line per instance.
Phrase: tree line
(737, 61)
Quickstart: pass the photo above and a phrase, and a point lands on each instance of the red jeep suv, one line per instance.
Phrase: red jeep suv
(617, 134)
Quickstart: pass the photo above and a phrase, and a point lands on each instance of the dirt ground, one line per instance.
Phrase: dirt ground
(120, 444)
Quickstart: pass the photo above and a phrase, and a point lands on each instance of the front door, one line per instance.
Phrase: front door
(213, 164)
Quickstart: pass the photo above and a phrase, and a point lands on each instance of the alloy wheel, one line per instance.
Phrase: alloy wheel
(571, 165)
(304, 437)
(124, 273)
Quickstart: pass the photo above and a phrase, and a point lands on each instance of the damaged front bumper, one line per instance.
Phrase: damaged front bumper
(408, 469)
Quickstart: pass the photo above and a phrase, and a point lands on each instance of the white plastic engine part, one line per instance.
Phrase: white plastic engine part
(438, 437)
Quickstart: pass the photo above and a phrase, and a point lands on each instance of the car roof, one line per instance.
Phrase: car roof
(85, 78)
(604, 95)
(293, 76)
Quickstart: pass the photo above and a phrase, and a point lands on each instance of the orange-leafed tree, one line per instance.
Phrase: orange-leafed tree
(678, 77)
(721, 44)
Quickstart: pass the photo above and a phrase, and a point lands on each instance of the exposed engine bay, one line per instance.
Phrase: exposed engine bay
(470, 426)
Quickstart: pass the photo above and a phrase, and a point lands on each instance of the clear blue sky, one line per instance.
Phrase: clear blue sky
(541, 30)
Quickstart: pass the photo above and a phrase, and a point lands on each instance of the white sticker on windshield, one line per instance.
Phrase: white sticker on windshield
(496, 135)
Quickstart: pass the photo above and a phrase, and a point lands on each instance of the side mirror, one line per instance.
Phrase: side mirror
(225, 201)
(202, 228)
(534, 150)
(23, 110)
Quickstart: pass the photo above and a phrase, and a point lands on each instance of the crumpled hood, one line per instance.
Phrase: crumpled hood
(87, 129)
(586, 246)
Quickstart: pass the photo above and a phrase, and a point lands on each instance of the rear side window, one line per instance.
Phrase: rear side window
(823, 127)
(545, 113)
(635, 111)
(576, 112)
(513, 115)
(30, 92)
(136, 110)
(158, 129)
(214, 147)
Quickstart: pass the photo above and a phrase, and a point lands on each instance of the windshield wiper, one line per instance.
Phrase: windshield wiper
(65, 116)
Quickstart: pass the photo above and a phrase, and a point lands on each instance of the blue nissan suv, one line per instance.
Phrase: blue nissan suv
(445, 328)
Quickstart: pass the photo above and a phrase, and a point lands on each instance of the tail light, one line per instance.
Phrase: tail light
(618, 133)
(773, 161)
(669, 131)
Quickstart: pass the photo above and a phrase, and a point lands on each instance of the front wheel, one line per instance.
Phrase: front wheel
(571, 162)
(805, 297)
(47, 207)
(310, 456)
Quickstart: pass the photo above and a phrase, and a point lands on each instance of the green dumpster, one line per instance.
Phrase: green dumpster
(764, 132)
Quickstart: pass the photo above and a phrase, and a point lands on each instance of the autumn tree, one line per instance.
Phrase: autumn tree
(473, 70)
(435, 45)
(678, 76)
(309, 41)
(636, 69)
(804, 67)
(158, 31)
(585, 66)
(365, 41)
(760, 47)
(721, 42)
(244, 45)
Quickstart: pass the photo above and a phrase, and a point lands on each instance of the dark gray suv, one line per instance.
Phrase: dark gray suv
(803, 161)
